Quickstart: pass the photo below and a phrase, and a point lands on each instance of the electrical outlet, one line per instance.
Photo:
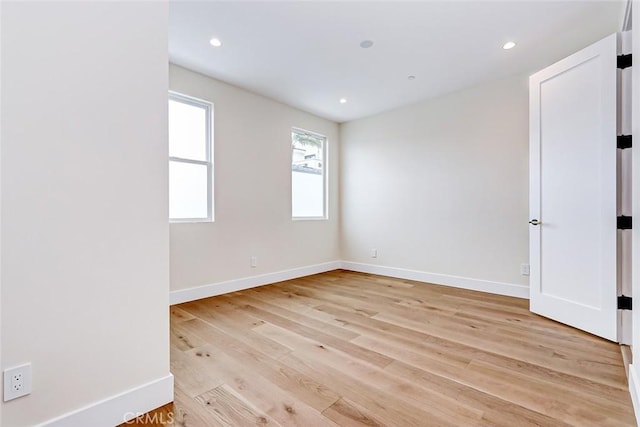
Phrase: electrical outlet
(524, 269)
(17, 382)
(374, 253)
(254, 262)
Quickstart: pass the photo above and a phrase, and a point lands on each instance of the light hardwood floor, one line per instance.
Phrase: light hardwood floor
(352, 349)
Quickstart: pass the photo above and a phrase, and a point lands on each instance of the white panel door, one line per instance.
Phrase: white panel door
(573, 190)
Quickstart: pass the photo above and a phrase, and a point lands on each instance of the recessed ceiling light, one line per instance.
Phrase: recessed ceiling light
(366, 44)
(343, 100)
(411, 77)
(509, 45)
(215, 42)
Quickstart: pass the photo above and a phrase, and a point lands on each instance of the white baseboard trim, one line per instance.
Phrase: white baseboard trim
(220, 288)
(206, 291)
(499, 288)
(120, 408)
(634, 390)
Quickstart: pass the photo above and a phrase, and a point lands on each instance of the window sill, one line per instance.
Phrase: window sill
(310, 218)
(191, 221)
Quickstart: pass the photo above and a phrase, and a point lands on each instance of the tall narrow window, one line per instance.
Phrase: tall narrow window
(308, 182)
(190, 154)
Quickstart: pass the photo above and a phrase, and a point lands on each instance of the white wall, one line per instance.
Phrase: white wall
(252, 185)
(441, 186)
(85, 238)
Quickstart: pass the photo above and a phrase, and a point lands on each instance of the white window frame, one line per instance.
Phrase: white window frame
(208, 106)
(325, 177)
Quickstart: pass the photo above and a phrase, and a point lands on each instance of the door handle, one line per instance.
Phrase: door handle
(534, 222)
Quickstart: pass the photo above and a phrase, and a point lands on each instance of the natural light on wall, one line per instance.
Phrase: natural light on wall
(308, 183)
(190, 164)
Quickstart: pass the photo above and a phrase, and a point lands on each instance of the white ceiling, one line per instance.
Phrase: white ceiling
(308, 55)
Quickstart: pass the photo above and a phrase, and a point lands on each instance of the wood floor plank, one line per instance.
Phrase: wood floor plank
(346, 346)
(524, 391)
(532, 393)
(307, 389)
(280, 405)
(303, 319)
(496, 411)
(182, 342)
(177, 314)
(371, 375)
(446, 355)
(285, 298)
(347, 413)
(189, 412)
(524, 331)
(226, 408)
(393, 411)
(563, 359)
(438, 353)
(355, 349)
(235, 323)
(188, 376)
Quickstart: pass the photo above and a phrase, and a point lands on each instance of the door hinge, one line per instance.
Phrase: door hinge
(624, 61)
(624, 222)
(624, 141)
(624, 303)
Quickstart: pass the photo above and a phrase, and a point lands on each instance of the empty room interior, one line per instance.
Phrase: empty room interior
(319, 213)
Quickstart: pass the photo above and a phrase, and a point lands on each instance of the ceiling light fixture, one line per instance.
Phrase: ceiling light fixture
(215, 42)
(366, 44)
(343, 100)
(509, 45)
(411, 77)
